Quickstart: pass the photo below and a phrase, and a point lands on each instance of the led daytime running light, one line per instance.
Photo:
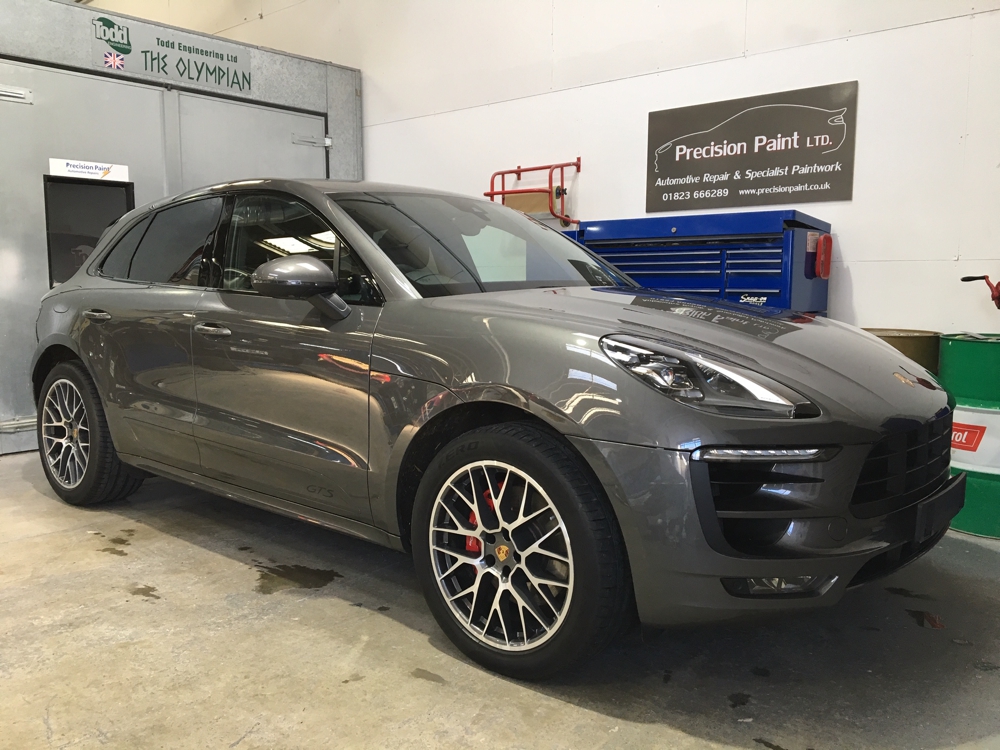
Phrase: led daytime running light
(770, 455)
(759, 392)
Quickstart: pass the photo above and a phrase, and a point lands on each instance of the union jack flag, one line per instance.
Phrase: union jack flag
(114, 61)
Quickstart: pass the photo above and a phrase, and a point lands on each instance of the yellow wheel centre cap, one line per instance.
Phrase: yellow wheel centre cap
(503, 552)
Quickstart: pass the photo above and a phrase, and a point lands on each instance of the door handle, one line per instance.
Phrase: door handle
(97, 314)
(212, 329)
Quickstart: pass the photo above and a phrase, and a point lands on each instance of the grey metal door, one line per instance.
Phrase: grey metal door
(223, 140)
(72, 116)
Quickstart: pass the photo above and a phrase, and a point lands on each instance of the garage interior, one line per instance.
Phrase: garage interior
(179, 618)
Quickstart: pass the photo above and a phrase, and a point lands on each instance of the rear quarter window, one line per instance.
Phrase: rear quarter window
(118, 260)
(173, 247)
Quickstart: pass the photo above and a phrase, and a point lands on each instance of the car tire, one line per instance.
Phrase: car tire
(547, 560)
(78, 456)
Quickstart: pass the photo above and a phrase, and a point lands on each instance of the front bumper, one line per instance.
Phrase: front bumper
(679, 558)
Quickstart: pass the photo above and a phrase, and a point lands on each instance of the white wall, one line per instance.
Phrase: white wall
(455, 90)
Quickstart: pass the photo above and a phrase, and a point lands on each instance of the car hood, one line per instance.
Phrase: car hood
(839, 367)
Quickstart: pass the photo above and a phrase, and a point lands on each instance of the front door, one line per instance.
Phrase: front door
(282, 390)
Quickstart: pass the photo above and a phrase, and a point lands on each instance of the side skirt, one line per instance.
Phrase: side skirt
(268, 502)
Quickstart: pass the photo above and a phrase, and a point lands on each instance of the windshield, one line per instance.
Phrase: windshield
(452, 245)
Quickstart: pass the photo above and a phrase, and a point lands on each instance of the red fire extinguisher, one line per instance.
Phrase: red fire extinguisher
(994, 288)
(819, 255)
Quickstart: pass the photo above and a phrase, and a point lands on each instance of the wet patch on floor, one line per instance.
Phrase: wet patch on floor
(767, 744)
(273, 578)
(118, 541)
(987, 666)
(245, 549)
(383, 608)
(423, 674)
(146, 591)
(738, 699)
(353, 678)
(897, 591)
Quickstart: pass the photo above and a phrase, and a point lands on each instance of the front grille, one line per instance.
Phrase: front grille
(903, 468)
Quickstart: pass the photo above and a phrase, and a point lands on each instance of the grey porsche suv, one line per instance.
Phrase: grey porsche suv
(559, 449)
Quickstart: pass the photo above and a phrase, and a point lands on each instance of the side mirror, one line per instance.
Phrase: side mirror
(301, 277)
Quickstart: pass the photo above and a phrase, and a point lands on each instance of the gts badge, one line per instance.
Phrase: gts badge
(315, 489)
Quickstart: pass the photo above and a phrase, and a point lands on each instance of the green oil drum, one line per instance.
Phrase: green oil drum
(969, 369)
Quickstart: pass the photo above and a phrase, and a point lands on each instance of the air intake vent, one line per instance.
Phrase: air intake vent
(755, 503)
(16, 94)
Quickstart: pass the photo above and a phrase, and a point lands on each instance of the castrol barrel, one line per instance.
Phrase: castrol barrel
(970, 371)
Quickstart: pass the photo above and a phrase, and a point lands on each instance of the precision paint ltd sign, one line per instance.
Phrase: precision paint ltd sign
(184, 59)
(90, 170)
(791, 147)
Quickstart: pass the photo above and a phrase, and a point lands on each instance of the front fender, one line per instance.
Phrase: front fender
(400, 407)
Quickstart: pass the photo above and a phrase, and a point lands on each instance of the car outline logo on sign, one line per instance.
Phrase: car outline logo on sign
(967, 437)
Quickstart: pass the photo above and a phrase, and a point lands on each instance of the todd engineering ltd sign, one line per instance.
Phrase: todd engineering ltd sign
(792, 147)
(151, 52)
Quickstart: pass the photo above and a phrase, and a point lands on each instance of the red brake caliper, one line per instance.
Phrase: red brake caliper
(472, 544)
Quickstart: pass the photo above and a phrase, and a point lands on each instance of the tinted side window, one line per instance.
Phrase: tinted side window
(172, 250)
(265, 227)
(118, 260)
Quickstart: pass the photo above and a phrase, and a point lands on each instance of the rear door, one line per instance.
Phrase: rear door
(282, 390)
(137, 330)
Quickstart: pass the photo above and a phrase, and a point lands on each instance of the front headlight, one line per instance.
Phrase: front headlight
(706, 383)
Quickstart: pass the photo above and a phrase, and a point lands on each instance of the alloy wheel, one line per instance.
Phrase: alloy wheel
(65, 433)
(501, 555)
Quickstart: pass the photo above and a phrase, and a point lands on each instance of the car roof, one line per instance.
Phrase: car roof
(281, 184)
(325, 186)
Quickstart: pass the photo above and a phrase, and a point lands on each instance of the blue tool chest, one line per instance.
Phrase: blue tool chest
(758, 257)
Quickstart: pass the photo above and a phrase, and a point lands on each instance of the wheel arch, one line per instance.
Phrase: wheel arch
(445, 426)
(56, 349)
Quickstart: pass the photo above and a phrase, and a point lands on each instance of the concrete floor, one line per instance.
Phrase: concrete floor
(179, 619)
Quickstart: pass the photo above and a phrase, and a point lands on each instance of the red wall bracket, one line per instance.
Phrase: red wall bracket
(555, 192)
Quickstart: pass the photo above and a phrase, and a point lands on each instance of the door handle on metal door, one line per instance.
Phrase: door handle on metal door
(97, 314)
(212, 329)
